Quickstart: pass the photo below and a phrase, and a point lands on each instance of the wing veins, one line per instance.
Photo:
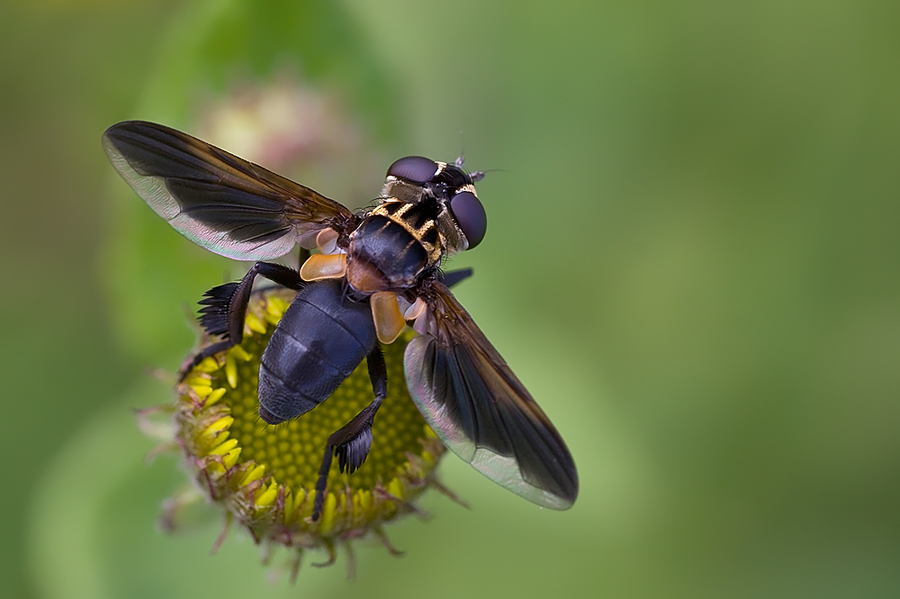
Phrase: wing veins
(509, 438)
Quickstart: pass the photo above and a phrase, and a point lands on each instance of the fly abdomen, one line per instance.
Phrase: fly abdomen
(320, 340)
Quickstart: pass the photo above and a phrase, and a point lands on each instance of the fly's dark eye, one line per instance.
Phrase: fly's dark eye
(417, 169)
(469, 214)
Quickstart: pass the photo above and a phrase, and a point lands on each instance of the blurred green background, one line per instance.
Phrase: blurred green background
(692, 262)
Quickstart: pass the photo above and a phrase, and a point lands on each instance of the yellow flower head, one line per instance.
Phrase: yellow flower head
(264, 475)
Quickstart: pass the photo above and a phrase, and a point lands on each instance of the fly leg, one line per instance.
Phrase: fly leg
(454, 276)
(225, 308)
(351, 443)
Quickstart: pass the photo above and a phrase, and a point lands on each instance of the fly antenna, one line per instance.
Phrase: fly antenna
(474, 175)
(462, 152)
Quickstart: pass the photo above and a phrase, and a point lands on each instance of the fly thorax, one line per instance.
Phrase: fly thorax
(395, 243)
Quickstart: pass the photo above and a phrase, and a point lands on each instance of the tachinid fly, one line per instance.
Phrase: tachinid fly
(375, 271)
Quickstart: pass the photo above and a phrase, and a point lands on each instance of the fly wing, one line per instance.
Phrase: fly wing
(220, 202)
(481, 410)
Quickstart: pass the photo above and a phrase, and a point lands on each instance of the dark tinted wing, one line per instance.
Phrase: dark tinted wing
(217, 200)
(478, 407)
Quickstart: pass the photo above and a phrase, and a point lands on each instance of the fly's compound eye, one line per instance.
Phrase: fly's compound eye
(416, 169)
(469, 214)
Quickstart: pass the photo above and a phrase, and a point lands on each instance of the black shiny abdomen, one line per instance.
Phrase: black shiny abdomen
(321, 338)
